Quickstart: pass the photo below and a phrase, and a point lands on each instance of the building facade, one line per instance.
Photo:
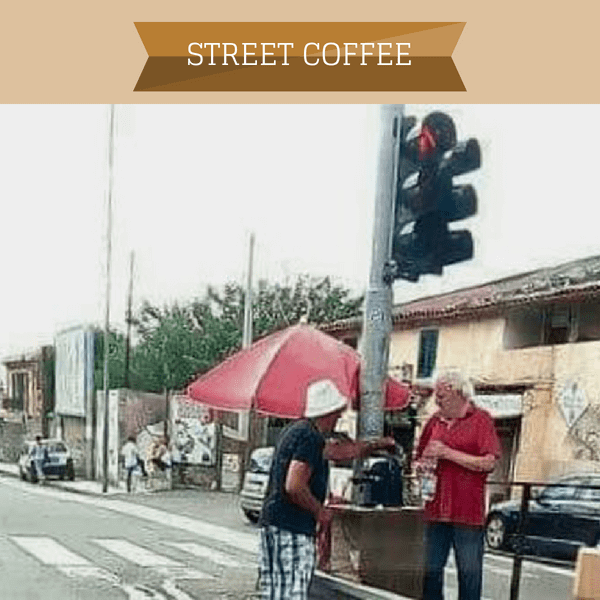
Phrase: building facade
(29, 395)
(531, 346)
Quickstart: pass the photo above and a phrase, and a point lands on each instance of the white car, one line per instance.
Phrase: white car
(256, 481)
(59, 464)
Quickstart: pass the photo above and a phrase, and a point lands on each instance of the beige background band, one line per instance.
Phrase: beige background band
(511, 52)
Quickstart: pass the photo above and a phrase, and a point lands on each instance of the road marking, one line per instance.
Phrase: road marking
(529, 565)
(211, 554)
(49, 552)
(173, 590)
(136, 554)
(143, 557)
(528, 569)
(247, 542)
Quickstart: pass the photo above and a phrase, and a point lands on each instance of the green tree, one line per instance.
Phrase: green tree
(179, 342)
(167, 353)
(116, 359)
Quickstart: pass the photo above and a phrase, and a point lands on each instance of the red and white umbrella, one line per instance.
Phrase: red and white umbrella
(289, 374)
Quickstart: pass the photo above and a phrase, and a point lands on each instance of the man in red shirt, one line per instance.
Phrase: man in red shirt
(462, 440)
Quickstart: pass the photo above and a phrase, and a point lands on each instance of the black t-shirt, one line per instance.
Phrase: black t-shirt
(299, 441)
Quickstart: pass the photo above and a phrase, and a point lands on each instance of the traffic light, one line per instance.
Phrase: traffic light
(433, 201)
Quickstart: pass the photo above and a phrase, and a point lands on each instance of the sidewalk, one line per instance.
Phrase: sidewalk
(81, 486)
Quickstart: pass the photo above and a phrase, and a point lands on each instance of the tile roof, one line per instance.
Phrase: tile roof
(575, 281)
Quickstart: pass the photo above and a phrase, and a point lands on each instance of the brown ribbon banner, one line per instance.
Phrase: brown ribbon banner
(297, 57)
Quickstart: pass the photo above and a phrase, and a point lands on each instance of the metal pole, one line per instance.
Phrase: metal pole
(377, 325)
(107, 314)
(515, 579)
(247, 341)
(247, 333)
(128, 343)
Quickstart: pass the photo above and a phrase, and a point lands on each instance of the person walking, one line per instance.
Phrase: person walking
(294, 508)
(39, 457)
(131, 460)
(461, 440)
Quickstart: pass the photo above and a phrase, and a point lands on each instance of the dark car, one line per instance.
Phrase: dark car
(560, 519)
(59, 463)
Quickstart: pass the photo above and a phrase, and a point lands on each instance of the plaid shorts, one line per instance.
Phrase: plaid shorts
(287, 563)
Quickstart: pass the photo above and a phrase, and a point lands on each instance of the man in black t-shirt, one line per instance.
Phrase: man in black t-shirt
(294, 508)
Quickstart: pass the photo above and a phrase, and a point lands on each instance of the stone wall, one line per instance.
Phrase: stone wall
(12, 436)
(73, 433)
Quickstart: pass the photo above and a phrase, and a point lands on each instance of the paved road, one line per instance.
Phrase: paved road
(59, 545)
(538, 581)
(175, 545)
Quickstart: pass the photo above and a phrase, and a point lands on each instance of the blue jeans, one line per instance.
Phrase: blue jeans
(468, 552)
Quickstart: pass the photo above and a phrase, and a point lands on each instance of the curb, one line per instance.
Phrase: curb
(65, 485)
(328, 587)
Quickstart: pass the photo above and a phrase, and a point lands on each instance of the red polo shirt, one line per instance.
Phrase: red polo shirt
(460, 492)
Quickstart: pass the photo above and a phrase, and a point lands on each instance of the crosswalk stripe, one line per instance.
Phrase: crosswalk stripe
(210, 554)
(145, 558)
(136, 554)
(49, 551)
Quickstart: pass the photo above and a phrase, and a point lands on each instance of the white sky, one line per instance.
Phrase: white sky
(192, 181)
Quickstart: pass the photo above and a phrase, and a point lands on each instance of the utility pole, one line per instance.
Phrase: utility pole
(129, 301)
(111, 143)
(377, 325)
(247, 333)
(246, 342)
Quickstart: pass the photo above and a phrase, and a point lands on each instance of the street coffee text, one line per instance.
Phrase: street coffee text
(315, 53)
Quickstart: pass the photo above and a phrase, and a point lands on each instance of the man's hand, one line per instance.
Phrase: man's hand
(386, 443)
(324, 518)
(439, 450)
(436, 449)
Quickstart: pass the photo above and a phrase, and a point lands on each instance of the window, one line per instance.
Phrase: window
(552, 493)
(589, 322)
(551, 325)
(427, 353)
(591, 494)
(20, 391)
(557, 325)
(235, 425)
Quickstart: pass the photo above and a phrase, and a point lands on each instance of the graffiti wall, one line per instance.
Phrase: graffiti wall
(586, 434)
(193, 430)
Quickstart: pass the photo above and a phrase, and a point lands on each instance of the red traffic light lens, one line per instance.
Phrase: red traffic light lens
(427, 143)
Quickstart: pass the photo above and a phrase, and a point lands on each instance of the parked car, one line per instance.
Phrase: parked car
(560, 519)
(59, 464)
(256, 480)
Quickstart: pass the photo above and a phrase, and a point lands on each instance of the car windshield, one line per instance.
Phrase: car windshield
(260, 460)
(591, 493)
(57, 447)
(559, 492)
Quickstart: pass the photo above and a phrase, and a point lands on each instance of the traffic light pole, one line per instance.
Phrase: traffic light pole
(377, 325)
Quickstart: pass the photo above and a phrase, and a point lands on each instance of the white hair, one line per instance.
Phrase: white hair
(454, 378)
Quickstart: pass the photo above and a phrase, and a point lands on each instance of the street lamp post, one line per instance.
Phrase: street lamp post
(111, 142)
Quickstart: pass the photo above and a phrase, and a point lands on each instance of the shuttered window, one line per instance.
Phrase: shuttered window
(427, 352)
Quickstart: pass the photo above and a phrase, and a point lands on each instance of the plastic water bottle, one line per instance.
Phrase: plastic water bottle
(428, 479)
